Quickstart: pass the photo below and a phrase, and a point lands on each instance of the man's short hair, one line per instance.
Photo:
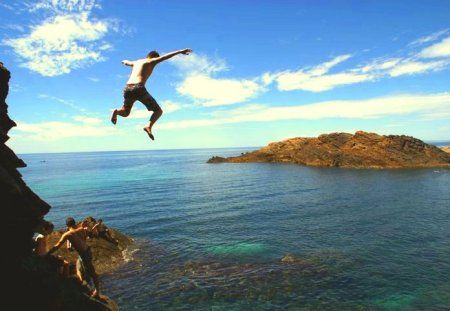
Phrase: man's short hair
(70, 222)
(153, 54)
(100, 220)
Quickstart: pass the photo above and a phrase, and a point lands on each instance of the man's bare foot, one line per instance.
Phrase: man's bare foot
(114, 117)
(149, 132)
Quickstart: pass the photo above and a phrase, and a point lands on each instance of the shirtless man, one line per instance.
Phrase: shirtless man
(77, 237)
(135, 88)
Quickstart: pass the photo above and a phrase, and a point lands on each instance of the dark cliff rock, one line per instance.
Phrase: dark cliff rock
(31, 283)
(361, 150)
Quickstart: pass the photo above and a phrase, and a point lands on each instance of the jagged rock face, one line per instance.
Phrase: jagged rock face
(361, 150)
(23, 208)
(30, 284)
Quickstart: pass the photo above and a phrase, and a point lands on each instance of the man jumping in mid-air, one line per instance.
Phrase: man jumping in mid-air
(135, 88)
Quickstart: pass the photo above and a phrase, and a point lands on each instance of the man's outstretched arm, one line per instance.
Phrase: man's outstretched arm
(127, 63)
(58, 245)
(170, 55)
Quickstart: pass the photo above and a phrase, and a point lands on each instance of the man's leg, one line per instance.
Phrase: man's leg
(124, 111)
(91, 270)
(151, 105)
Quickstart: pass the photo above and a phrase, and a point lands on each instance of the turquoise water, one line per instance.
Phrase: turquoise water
(212, 236)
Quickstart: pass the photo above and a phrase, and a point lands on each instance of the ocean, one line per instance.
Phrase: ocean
(258, 236)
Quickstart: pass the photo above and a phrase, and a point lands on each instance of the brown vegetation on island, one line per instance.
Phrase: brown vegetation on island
(361, 150)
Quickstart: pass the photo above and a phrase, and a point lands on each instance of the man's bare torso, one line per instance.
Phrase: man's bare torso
(77, 238)
(141, 71)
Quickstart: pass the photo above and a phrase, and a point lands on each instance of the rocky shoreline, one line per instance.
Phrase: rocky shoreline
(359, 150)
(33, 283)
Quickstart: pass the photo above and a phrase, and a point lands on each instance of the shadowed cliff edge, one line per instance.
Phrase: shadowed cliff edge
(31, 280)
(361, 150)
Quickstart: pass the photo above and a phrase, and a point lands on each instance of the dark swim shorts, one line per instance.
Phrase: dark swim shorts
(134, 92)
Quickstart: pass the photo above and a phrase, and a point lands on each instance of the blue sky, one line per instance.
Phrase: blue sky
(261, 71)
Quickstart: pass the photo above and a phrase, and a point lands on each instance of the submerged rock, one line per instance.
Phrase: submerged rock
(361, 150)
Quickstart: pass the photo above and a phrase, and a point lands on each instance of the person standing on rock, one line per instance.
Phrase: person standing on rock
(135, 88)
(104, 232)
(77, 237)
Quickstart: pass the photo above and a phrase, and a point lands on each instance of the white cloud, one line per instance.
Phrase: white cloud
(410, 67)
(204, 89)
(347, 109)
(167, 106)
(87, 120)
(300, 81)
(381, 65)
(208, 91)
(430, 38)
(198, 64)
(93, 79)
(441, 49)
(317, 79)
(62, 101)
(63, 6)
(55, 130)
(69, 39)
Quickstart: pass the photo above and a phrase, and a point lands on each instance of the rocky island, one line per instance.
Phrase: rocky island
(359, 150)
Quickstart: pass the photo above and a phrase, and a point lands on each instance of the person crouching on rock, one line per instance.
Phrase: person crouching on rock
(77, 238)
(104, 232)
(41, 242)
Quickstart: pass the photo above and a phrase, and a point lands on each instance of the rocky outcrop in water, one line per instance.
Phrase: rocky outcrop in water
(107, 256)
(31, 282)
(361, 150)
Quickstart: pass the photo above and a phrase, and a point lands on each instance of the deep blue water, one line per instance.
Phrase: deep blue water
(212, 236)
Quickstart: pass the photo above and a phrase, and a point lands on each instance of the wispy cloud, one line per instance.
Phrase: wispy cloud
(410, 67)
(317, 78)
(63, 6)
(199, 64)
(201, 86)
(63, 101)
(69, 38)
(345, 109)
(87, 120)
(320, 78)
(208, 91)
(430, 38)
(167, 106)
(441, 49)
(56, 130)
